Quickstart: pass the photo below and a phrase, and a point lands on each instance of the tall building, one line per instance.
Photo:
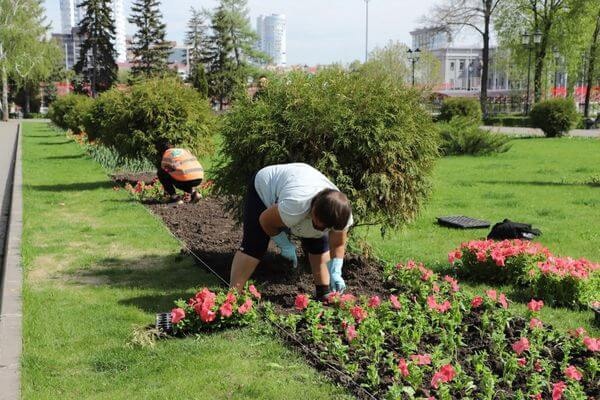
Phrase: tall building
(271, 31)
(71, 16)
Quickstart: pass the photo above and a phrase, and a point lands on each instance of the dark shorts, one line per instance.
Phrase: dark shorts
(256, 241)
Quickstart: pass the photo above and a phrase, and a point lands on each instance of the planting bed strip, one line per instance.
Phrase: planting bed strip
(307, 351)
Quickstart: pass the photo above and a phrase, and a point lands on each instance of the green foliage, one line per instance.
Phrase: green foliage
(461, 136)
(133, 121)
(370, 136)
(460, 107)
(197, 41)
(508, 120)
(555, 117)
(69, 112)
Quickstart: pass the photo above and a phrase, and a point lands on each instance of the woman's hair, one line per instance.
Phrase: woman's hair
(332, 208)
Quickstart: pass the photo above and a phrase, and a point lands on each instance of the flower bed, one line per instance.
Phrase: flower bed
(557, 280)
(429, 340)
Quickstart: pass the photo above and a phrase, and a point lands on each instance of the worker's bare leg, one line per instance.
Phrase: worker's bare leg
(318, 265)
(242, 268)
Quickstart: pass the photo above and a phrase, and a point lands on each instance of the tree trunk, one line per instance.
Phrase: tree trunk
(5, 109)
(27, 100)
(591, 67)
(539, 66)
(486, 60)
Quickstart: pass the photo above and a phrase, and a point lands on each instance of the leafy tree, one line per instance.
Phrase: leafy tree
(150, 49)
(97, 55)
(594, 55)
(197, 42)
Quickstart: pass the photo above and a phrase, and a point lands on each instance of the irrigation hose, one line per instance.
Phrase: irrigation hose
(289, 335)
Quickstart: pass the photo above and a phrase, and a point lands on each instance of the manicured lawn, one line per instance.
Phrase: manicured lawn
(96, 265)
(538, 181)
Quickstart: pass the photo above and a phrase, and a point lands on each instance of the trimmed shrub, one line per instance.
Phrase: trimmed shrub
(461, 136)
(68, 112)
(555, 117)
(461, 107)
(508, 120)
(132, 121)
(369, 135)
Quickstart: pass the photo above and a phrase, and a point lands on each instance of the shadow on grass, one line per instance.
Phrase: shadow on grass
(534, 183)
(53, 143)
(74, 186)
(72, 157)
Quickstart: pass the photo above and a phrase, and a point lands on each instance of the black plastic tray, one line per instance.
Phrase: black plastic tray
(462, 222)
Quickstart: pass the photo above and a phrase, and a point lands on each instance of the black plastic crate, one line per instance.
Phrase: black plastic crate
(163, 322)
(462, 222)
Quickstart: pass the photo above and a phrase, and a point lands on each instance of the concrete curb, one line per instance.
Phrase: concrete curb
(11, 307)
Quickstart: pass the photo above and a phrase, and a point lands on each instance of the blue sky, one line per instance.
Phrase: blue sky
(318, 31)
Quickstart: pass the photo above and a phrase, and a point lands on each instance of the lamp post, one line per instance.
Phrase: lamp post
(469, 75)
(556, 62)
(366, 30)
(413, 57)
(527, 42)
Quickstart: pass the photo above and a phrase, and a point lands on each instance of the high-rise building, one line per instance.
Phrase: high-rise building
(71, 16)
(271, 31)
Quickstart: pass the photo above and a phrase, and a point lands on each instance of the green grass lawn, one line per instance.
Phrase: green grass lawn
(96, 265)
(538, 181)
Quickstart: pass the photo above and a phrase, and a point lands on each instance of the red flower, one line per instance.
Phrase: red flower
(592, 344)
(254, 292)
(206, 315)
(226, 310)
(534, 305)
(333, 297)
(445, 374)
(421, 359)
(301, 302)
(492, 294)
(431, 303)
(351, 333)
(374, 302)
(358, 313)
(537, 396)
(476, 302)
(244, 308)
(395, 303)
(502, 300)
(535, 323)
(177, 314)
(454, 255)
(425, 273)
(403, 367)
(573, 373)
(557, 390)
(453, 283)
(522, 361)
(520, 345)
(230, 298)
(347, 298)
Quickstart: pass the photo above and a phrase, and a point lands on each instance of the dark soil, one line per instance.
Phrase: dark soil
(212, 234)
(133, 178)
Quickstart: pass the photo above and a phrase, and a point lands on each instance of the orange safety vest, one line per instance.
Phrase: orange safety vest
(182, 165)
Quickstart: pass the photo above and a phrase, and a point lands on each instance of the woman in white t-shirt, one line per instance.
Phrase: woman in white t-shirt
(298, 199)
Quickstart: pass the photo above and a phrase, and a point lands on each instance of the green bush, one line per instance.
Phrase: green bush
(368, 134)
(461, 136)
(555, 117)
(460, 107)
(132, 121)
(508, 120)
(68, 112)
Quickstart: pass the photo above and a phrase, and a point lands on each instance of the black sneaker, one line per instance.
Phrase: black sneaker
(195, 197)
(174, 200)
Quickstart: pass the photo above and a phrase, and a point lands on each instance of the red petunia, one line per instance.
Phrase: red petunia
(573, 373)
(374, 302)
(592, 344)
(207, 315)
(244, 308)
(520, 346)
(226, 310)
(445, 374)
(230, 298)
(557, 390)
(537, 396)
(502, 300)
(351, 333)
(476, 302)
(403, 367)
(522, 361)
(534, 305)
(301, 302)
(254, 292)
(358, 313)
(177, 314)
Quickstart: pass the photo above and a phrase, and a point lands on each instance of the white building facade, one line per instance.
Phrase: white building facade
(271, 31)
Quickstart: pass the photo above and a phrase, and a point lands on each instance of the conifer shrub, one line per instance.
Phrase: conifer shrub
(464, 107)
(555, 117)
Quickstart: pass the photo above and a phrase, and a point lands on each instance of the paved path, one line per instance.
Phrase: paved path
(10, 268)
(518, 131)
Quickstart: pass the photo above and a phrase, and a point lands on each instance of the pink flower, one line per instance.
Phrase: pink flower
(445, 374)
(333, 297)
(453, 283)
(435, 288)
(374, 302)
(535, 323)
(230, 298)
(425, 273)
(395, 303)
(351, 333)
(226, 310)
(537, 396)
(522, 361)
(301, 302)
(403, 367)
(573, 373)
(578, 332)
(454, 255)
(254, 292)
(206, 315)
(502, 300)
(358, 313)
(177, 314)
(520, 345)
(347, 299)
(481, 256)
(431, 303)
(476, 302)
(537, 366)
(557, 390)
(592, 344)
(421, 359)
(445, 306)
(534, 305)
(492, 294)
(244, 308)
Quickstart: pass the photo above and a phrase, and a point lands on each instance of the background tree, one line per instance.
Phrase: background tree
(97, 55)
(197, 42)
(593, 58)
(150, 48)
(478, 15)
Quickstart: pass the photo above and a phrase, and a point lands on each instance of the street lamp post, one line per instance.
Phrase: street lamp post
(526, 41)
(469, 75)
(367, 30)
(413, 57)
(556, 61)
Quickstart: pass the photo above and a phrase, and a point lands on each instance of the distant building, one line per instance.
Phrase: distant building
(271, 31)
(70, 43)
(70, 15)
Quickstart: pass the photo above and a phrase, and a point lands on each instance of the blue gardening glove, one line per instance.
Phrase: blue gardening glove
(287, 249)
(336, 283)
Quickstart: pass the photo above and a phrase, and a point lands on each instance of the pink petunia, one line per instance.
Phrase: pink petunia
(177, 314)
(592, 344)
(426, 274)
(502, 300)
(244, 308)
(578, 332)
(333, 297)
(230, 298)
(453, 283)
(492, 294)
(535, 323)
(445, 374)
(301, 302)
(557, 390)
(476, 302)
(520, 346)
(421, 359)
(351, 333)
(374, 302)
(226, 310)
(254, 292)
(537, 366)
(395, 303)
(573, 373)
(481, 256)
(207, 315)
(347, 299)
(522, 361)
(534, 305)
(537, 396)
(358, 313)
(403, 367)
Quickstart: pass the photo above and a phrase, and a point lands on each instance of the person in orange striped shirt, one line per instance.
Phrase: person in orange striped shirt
(179, 169)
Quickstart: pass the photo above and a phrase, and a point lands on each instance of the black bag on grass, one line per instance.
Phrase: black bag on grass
(508, 229)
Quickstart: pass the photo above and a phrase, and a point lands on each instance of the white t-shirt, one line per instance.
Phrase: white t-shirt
(292, 187)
